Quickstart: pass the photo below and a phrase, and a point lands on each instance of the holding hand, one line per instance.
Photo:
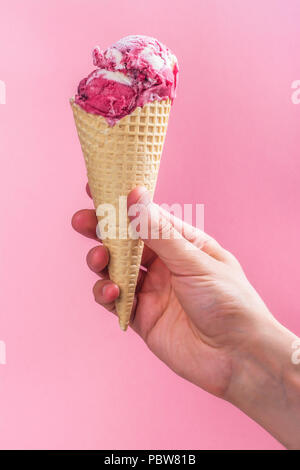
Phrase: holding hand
(197, 312)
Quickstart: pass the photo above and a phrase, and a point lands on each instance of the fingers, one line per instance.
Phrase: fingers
(87, 188)
(105, 293)
(197, 237)
(97, 260)
(201, 239)
(214, 249)
(194, 235)
(148, 257)
(179, 255)
(85, 222)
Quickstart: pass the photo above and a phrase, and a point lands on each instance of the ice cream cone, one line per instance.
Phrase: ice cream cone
(118, 159)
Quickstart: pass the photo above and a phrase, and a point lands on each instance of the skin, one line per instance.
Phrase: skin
(197, 312)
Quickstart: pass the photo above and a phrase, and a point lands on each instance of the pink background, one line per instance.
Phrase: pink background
(72, 378)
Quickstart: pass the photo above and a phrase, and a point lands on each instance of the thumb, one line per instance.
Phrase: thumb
(156, 230)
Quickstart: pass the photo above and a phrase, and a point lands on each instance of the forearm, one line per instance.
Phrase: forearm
(266, 383)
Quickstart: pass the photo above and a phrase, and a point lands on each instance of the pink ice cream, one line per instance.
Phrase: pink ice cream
(134, 71)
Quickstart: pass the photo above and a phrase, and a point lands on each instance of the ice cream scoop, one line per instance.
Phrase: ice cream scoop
(134, 71)
(121, 113)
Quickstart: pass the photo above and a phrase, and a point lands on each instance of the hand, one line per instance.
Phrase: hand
(194, 306)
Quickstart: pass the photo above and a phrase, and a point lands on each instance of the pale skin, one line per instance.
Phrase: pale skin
(196, 311)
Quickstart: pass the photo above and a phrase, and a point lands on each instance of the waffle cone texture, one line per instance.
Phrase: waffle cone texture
(118, 159)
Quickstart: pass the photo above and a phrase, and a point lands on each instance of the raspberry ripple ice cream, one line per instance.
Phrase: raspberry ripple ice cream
(134, 71)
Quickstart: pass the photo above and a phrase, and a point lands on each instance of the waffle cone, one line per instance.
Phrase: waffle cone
(118, 159)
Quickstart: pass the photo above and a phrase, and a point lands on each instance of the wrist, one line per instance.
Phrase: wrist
(266, 383)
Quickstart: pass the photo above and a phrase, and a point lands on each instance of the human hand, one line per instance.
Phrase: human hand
(197, 312)
(194, 307)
